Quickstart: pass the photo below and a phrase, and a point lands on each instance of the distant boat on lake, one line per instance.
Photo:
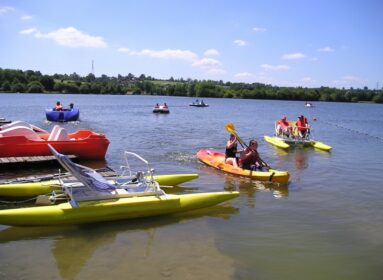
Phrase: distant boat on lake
(65, 115)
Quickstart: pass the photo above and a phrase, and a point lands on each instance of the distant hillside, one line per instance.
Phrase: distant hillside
(34, 82)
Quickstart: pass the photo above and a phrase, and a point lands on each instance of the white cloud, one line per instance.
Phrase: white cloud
(292, 56)
(308, 80)
(207, 62)
(216, 71)
(240, 43)
(6, 9)
(124, 50)
(211, 52)
(26, 17)
(71, 37)
(165, 54)
(254, 78)
(350, 80)
(259, 29)
(210, 65)
(326, 49)
(269, 67)
(28, 31)
(243, 75)
(314, 59)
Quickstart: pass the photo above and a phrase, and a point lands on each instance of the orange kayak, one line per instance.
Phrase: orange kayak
(217, 160)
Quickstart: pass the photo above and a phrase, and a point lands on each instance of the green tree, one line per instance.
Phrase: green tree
(35, 87)
(6, 86)
(18, 87)
(47, 82)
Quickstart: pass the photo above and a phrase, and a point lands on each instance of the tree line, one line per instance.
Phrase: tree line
(29, 81)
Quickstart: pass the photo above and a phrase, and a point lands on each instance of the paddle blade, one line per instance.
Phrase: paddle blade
(230, 127)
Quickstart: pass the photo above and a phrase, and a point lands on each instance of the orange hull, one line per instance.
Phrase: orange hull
(217, 160)
(85, 144)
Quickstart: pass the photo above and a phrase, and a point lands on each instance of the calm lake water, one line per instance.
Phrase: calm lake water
(327, 223)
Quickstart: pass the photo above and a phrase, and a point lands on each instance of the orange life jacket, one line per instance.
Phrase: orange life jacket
(283, 123)
(58, 107)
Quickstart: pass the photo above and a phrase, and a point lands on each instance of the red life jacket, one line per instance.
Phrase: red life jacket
(302, 124)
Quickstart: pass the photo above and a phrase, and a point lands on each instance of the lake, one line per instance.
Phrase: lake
(327, 223)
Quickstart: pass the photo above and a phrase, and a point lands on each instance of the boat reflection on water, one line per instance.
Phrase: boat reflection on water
(251, 187)
(78, 248)
(246, 185)
(300, 159)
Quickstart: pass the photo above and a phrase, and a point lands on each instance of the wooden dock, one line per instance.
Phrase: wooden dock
(106, 172)
(17, 161)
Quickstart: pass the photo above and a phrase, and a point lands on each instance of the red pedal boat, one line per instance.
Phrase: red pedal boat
(22, 141)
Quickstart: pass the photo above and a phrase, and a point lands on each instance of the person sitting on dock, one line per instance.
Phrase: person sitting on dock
(303, 126)
(249, 158)
(165, 105)
(231, 151)
(283, 127)
(58, 106)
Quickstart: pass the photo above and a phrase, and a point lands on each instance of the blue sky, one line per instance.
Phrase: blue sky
(309, 43)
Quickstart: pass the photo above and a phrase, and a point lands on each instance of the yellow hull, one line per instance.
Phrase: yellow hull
(321, 146)
(276, 142)
(110, 210)
(43, 187)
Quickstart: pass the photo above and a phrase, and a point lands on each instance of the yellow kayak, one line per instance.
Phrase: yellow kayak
(111, 209)
(217, 160)
(36, 188)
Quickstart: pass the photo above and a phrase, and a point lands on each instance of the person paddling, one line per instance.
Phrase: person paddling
(249, 158)
(231, 151)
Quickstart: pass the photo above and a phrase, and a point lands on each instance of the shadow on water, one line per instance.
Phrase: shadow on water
(74, 245)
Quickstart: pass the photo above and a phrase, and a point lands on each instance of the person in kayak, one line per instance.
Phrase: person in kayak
(249, 158)
(283, 127)
(58, 106)
(303, 126)
(231, 151)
